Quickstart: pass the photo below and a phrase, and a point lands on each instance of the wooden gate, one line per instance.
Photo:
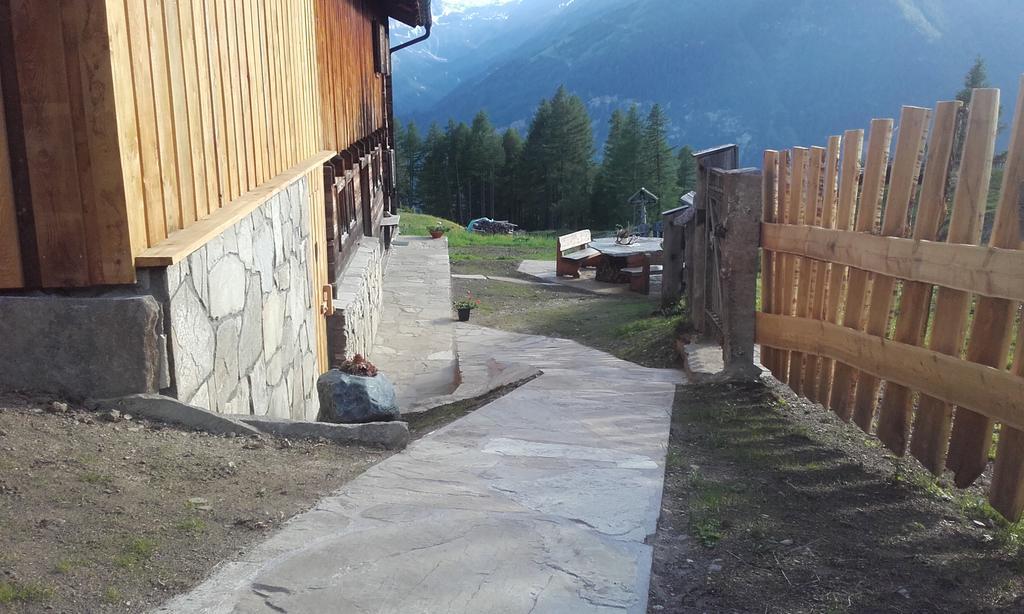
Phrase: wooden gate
(880, 301)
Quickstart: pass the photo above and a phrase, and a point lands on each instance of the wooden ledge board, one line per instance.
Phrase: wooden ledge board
(983, 270)
(181, 243)
(994, 392)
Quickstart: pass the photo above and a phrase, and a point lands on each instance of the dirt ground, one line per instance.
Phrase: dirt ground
(773, 505)
(98, 516)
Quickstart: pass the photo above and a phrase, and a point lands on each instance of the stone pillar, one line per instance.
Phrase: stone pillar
(738, 274)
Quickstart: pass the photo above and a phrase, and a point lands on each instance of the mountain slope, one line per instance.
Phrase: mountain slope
(746, 71)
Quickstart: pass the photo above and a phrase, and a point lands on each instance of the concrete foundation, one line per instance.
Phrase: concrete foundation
(79, 347)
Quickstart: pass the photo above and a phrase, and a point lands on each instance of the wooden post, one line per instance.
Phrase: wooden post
(674, 258)
(739, 260)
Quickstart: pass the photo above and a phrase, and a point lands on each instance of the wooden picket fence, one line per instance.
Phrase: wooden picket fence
(879, 300)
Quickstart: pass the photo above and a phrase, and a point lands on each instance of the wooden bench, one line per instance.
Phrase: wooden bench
(574, 252)
(640, 277)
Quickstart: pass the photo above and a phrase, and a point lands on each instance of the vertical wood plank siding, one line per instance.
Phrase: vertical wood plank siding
(141, 118)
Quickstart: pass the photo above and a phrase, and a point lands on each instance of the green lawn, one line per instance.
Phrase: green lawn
(467, 245)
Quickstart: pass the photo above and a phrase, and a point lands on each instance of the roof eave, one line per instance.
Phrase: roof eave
(413, 13)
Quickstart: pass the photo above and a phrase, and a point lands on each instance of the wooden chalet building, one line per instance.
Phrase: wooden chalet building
(194, 195)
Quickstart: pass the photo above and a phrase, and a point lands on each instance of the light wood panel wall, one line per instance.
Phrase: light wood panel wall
(140, 118)
(949, 386)
(225, 99)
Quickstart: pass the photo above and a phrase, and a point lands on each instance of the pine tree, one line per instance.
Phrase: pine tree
(509, 198)
(435, 184)
(686, 176)
(408, 160)
(660, 173)
(485, 156)
(622, 172)
(558, 163)
(977, 77)
(460, 166)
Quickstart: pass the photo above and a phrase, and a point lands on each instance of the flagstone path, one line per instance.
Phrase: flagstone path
(539, 502)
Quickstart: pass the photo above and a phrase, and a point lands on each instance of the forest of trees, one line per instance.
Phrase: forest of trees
(550, 179)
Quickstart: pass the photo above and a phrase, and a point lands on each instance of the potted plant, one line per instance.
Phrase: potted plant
(437, 230)
(465, 305)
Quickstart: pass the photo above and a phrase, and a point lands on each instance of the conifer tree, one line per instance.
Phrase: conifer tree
(509, 198)
(660, 172)
(558, 160)
(687, 173)
(408, 161)
(622, 172)
(435, 184)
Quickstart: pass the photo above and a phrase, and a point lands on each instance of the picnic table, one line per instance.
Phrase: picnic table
(643, 250)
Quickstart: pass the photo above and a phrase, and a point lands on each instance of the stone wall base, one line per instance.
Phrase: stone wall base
(358, 300)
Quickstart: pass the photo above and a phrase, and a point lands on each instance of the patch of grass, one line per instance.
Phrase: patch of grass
(192, 524)
(136, 551)
(708, 500)
(17, 592)
(93, 477)
(629, 328)
(520, 246)
(64, 566)
(112, 595)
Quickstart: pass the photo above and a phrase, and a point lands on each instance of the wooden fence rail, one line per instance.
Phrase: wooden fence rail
(879, 300)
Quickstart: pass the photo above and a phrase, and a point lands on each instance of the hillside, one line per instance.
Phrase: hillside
(759, 74)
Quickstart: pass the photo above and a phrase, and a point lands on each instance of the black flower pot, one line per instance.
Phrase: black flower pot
(464, 315)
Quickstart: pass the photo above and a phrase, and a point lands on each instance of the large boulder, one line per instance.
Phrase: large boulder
(355, 399)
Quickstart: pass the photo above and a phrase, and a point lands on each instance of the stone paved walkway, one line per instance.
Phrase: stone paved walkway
(539, 502)
(415, 344)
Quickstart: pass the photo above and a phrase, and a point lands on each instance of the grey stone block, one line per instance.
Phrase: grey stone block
(80, 347)
(389, 435)
(227, 287)
(192, 341)
(250, 344)
(352, 399)
(172, 411)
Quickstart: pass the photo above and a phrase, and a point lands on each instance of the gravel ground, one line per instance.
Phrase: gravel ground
(99, 516)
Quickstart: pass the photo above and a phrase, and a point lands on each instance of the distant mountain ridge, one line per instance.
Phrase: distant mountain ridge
(745, 71)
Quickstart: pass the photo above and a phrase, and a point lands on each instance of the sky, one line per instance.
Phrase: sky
(448, 6)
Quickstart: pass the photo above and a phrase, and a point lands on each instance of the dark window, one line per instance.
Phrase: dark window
(381, 51)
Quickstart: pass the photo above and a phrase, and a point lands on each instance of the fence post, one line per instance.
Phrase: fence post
(739, 238)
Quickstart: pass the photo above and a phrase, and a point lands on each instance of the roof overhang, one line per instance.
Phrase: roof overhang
(413, 13)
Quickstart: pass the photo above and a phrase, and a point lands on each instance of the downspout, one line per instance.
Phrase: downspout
(415, 40)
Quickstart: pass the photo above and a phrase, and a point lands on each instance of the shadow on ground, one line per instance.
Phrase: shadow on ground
(773, 505)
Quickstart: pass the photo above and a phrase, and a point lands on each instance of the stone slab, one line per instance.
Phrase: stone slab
(81, 347)
(415, 344)
(172, 411)
(388, 435)
(539, 502)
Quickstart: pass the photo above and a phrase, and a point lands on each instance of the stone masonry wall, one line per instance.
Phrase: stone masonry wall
(240, 316)
(359, 297)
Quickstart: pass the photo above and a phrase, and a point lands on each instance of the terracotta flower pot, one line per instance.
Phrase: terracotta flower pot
(436, 234)
(464, 315)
